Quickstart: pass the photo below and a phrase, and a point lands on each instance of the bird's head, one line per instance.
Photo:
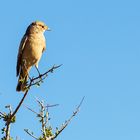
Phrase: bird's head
(38, 26)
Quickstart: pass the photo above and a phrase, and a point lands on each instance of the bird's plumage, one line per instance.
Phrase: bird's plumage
(30, 51)
(20, 52)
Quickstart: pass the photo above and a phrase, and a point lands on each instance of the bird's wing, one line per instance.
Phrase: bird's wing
(20, 52)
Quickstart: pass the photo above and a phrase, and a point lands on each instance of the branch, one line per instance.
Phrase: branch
(7, 131)
(30, 85)
(30, 133)
(32, 110)
(20, 103)
(41, 77)
(2, 114)
(69, 120)
(43, 114)
(10, 117)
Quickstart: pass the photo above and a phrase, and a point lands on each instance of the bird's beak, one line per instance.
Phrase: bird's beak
(47, 28)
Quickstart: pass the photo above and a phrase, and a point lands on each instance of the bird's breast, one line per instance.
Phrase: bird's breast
(33, 49)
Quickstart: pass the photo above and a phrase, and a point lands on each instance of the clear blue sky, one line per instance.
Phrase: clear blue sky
(98, 43)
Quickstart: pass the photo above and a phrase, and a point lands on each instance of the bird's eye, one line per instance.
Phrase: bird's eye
(41, 26)
(33, 23)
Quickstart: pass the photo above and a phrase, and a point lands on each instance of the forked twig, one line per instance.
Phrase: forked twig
(43, 115)
(69, 120)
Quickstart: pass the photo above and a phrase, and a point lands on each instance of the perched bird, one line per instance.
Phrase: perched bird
(30, 51)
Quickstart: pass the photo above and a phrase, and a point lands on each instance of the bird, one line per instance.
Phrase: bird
(31, 47)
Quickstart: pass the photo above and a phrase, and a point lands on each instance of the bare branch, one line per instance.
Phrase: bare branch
(48, 105)
(30, 133)
(20, 103)
(30, 84)
(44, 75)
(8, 132)
(32, 110)
(2, 114)
(69, 120)
(8, 118)
(9, 107)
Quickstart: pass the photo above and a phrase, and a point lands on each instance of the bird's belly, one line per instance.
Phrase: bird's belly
(33, 53)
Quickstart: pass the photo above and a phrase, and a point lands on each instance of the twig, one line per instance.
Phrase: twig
(43, 115)
(48, 105)
(69, 120)
(32, 110)
(30, 133)
(20, 103)
(39, 102)
(45, 74)
(2, 114)
(9, 107)
(8, 131)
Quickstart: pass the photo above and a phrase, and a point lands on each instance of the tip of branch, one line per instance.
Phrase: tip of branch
(55, 67)
(81, 102)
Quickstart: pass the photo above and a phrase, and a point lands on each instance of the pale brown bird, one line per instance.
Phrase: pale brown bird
(31, 48)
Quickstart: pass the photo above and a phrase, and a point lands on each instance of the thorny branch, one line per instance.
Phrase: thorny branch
(69, 120)
(10, 117)
(37, 80)
(43, 115)
(30, 133)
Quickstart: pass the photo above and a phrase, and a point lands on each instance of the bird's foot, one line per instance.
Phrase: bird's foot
(40, 75)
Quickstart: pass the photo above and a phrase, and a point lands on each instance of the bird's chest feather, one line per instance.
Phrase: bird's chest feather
(36, 44)
(34, 47)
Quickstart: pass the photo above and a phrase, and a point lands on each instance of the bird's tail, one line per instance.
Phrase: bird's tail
(22, 82)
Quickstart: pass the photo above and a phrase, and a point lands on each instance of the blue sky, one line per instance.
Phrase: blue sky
(98, 43)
